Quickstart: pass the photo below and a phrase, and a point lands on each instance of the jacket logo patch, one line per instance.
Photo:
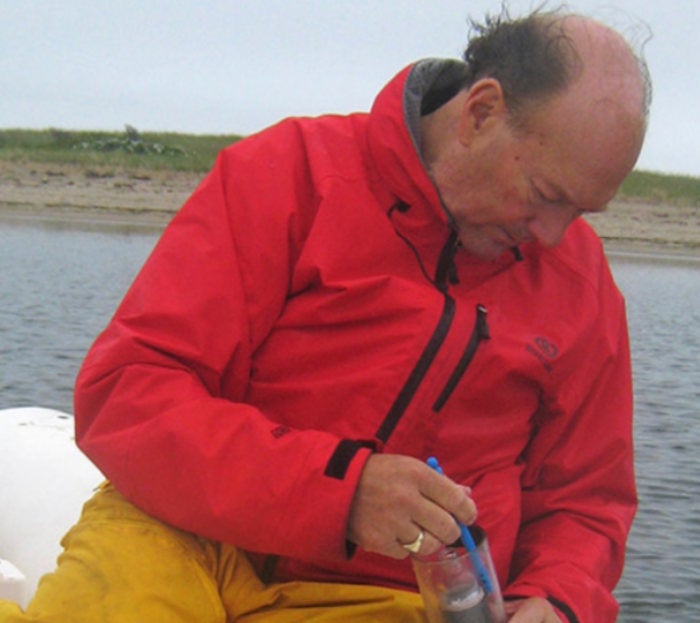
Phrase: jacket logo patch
(544, 350)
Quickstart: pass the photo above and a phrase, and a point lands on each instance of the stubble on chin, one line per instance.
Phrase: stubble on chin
(480, 243)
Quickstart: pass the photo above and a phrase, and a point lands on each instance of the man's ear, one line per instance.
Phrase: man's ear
(484, 104)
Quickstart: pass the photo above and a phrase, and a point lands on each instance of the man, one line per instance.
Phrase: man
(340, 299)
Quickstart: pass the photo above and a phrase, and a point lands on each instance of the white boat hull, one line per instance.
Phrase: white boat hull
(44, 481)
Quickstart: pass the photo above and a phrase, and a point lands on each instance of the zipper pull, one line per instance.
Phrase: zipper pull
(482, 326)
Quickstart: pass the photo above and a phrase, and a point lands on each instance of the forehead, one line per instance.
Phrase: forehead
(591, 133)
(584, 146)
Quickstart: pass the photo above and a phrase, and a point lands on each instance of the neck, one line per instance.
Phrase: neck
(439, 129)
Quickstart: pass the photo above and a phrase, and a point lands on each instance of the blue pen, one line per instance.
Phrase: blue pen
(468, 541)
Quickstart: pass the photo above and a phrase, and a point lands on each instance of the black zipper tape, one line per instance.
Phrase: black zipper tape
(479, 333)
(445, 271)
(419, 371)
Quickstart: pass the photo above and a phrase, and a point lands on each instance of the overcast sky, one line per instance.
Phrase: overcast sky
(236, 66)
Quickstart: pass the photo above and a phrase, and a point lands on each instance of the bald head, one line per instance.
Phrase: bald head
(538, 56)
(603, 105)
(608, 72)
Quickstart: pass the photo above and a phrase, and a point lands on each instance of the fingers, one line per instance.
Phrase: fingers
(454, 498)
(423, 544)
(398, 497)
(532, 610)
(444, 504)
(434, 503)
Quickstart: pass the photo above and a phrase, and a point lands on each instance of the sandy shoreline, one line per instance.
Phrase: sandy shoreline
(72, 196)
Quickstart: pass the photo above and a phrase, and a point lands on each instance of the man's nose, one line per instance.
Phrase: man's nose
(549, 223)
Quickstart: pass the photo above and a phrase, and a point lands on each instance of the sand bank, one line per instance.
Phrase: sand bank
(72, 196)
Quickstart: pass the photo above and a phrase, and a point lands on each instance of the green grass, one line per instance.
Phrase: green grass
(662, 188)
(130, 150)
(133, 150)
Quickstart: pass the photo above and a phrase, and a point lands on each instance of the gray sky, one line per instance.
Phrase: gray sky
(214, 66)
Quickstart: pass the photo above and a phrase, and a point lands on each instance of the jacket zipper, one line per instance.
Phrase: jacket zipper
(419, 371)
(444, 273)
(479, 334)
(445, 270)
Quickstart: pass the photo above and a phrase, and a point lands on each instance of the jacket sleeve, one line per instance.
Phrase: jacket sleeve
(160, 400)
(579, 495)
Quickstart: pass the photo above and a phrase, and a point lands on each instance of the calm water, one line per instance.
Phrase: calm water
(58, 288)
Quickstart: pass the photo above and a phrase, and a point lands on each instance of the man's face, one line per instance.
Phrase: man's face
(505, 186)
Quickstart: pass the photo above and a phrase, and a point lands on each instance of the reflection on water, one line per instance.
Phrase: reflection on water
(59, 287)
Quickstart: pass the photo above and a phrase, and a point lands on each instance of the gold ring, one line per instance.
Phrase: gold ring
(414, 546)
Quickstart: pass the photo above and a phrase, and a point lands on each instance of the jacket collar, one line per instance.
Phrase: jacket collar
(394, 130)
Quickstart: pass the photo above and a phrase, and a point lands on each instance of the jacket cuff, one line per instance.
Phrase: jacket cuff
(346, 463)
(343, 455)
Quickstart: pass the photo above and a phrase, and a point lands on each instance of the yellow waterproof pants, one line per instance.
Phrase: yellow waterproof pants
(120, 565)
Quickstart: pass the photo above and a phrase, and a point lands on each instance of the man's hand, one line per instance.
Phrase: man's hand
(533, 610)
(397, 497)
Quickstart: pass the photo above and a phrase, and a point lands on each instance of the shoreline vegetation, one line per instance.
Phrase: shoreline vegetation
(136, 181)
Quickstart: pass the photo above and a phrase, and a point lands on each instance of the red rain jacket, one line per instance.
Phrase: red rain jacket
(307, 306)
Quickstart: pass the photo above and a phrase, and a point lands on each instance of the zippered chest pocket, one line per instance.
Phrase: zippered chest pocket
(424, 366)
(480, 333)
